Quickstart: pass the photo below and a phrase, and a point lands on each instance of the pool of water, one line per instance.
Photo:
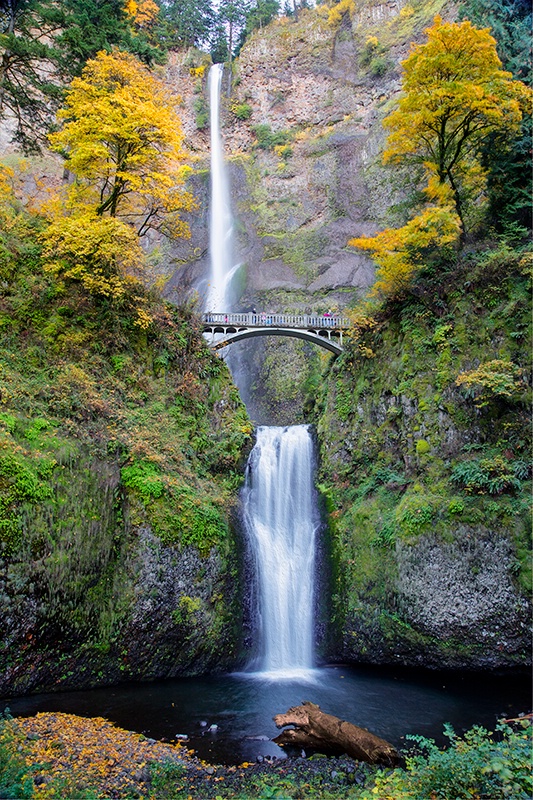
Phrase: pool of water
(390, 703)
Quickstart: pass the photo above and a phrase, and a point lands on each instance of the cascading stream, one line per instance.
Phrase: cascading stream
(223, 266)
(281, 521)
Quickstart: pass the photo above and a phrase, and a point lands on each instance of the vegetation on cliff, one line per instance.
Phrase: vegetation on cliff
(110, 425)
(426, 446)
(424, 428)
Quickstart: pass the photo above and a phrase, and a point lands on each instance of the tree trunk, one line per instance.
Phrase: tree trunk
(319, 731)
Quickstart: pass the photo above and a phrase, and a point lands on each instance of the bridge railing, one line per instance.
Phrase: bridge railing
(252, 319)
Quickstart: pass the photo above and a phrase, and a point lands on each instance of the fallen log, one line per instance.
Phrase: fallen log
(313, 729)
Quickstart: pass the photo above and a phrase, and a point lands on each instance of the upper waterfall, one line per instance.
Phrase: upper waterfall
(281, 520)
(223, 266)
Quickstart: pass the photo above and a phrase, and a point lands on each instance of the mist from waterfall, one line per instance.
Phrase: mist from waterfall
(281, 521)
(223, 266)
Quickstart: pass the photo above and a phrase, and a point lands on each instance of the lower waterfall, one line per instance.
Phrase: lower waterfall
(281, 521)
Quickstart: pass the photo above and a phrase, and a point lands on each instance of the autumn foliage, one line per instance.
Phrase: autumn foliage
(455, 95)
(143, 13)
(496, 379)
(399, 252)
(123, 142)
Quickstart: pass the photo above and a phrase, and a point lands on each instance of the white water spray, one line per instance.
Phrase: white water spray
(281, 522)
(223, 266)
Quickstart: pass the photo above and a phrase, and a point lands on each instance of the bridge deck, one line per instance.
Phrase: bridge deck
(324, 330)
(254, 320)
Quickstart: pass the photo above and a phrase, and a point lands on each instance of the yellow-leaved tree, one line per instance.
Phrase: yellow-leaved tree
(455, 95)
(399, 252)
(144, 13)
(123, 143)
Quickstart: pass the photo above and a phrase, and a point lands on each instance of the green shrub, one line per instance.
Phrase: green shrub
(166, 779)
(284, 151)
(242, 111)
(8, 421)
(202, 113)
(422, 447)
(144, 478)
(479, 764)
(267, 139)
(380, 65)
(493, 475)
(187, 610)
(20, 483)
(417, 510)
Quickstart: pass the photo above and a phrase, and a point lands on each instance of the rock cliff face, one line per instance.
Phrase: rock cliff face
(427, 486)
(303, 135)
(305, 160)
(159, 612)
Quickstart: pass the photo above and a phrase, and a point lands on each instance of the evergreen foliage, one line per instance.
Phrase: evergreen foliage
(510, 185)
(259, 14)
(90, 26)
(509, 22)
(27, 91)
(43, 44)
(190, 23)
(232, 15)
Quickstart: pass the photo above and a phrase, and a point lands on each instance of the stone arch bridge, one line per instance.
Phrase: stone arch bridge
(325, 331)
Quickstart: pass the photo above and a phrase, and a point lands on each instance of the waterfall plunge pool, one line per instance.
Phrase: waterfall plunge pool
(390, 703)
(281, 519)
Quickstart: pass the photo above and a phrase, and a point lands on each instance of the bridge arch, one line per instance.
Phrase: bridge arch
(231, 335)
(323, 330)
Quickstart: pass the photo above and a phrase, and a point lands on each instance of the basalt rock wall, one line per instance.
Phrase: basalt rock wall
(428, 484)
(301, 124)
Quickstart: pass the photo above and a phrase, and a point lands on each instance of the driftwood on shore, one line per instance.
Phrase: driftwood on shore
(313, 729)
